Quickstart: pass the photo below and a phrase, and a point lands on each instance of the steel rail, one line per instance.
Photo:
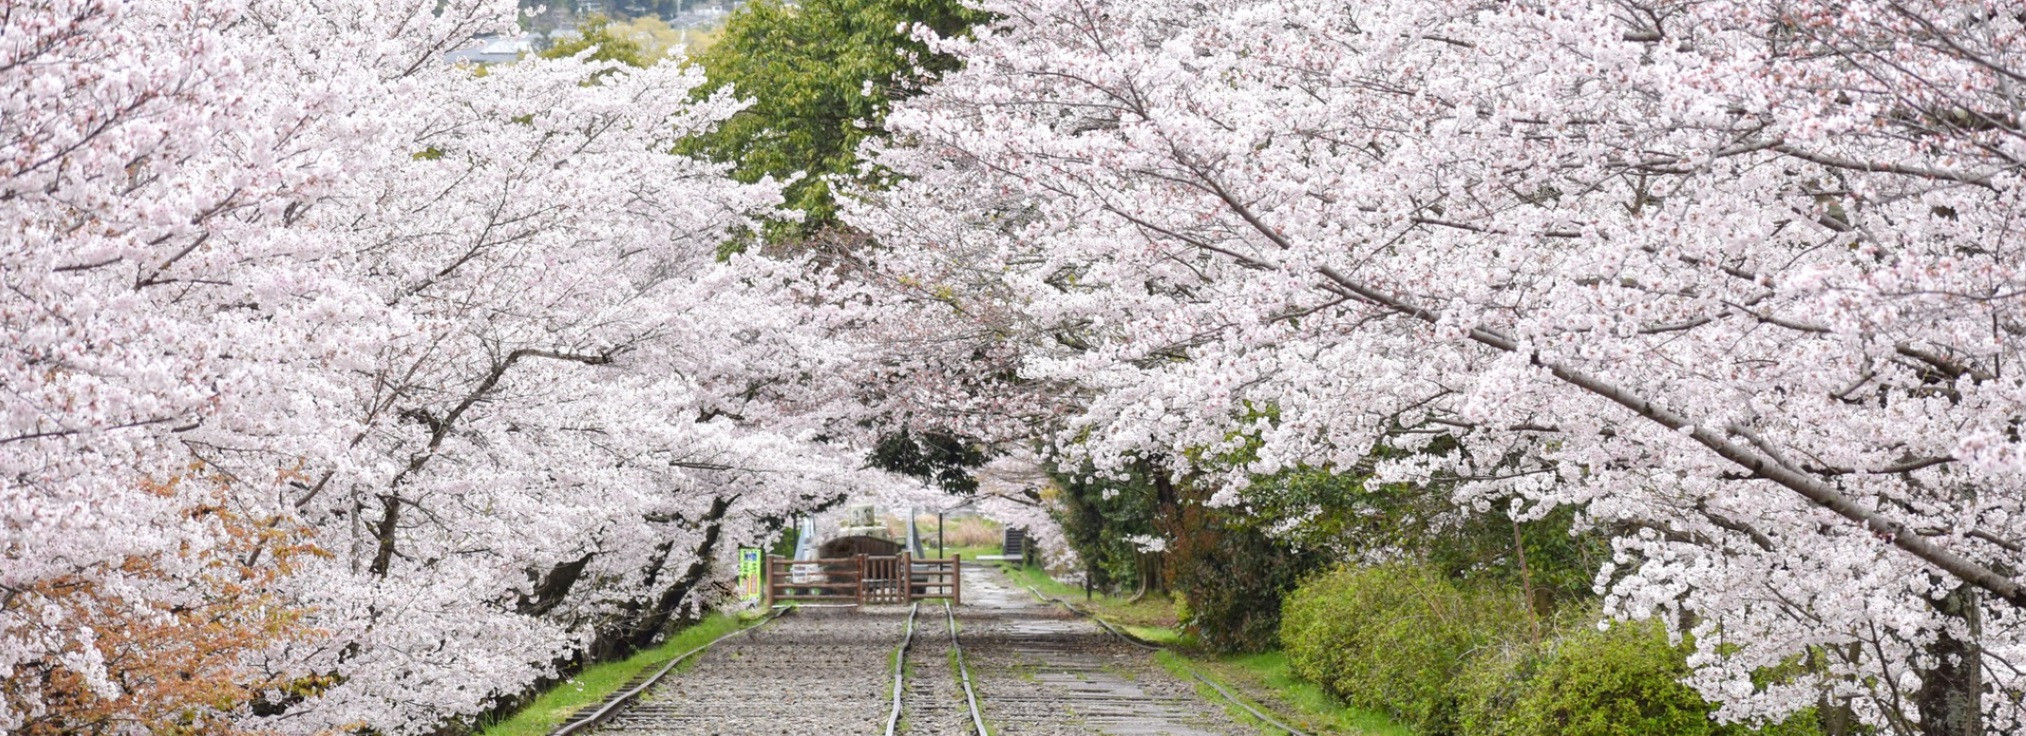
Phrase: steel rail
(612, 706)
(963, 671)
(900, 670)
(1136, 641)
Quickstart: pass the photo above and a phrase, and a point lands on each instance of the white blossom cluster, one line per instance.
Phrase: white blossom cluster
(469, 326)
(1742, 280)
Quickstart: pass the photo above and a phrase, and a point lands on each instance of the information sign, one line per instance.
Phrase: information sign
(749, 573)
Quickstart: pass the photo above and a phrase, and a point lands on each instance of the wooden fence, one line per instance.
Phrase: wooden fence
(864, 580)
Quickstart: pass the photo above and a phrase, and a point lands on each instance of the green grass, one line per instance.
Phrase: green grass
(970, 553)
(1152, 617)
(1267, 677)
(1161, 635)
(552, 708)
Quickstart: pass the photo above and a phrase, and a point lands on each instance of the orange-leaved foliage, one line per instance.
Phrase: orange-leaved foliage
(168, 644)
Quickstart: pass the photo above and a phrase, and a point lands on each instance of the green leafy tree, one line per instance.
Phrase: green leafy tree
(1232, 574)
(598, 33)
(935, 457)
(1100, 519)
(822, 75)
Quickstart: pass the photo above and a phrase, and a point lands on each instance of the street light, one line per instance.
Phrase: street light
(939, 522)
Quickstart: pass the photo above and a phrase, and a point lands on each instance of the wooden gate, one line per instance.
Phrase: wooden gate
(882, 582)
(864, 580)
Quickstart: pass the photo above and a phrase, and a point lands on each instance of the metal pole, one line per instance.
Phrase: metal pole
(939, 533)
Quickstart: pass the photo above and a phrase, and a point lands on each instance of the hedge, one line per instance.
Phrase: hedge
(1453, 658)
(1624, 680)
(1394, 638)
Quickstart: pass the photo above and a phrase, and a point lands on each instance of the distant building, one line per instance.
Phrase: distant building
(564, 35)
(493, 50)
(563, 12)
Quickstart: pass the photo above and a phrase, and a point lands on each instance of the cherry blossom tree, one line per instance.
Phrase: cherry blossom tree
(1734, 278)
(465, 330)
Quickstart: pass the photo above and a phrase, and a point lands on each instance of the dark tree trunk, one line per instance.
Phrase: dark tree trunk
(1167, 520)
(1951, 698)
(638, 628)
(1837, 717)
(383, 531)
(551, 589)
(699, 568)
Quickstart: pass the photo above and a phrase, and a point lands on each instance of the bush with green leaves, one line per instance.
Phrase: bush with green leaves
(1231, 576)
(1101, 518)
(1624, 680)
(1492, 680)
(1394, 637)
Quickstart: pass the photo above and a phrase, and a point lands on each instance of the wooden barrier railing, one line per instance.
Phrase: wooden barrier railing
(938, 578)
(864, 580)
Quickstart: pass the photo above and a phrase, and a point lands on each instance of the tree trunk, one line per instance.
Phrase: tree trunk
(1167, 520)
(1836, 715)
(390, 520)
(642, 631)
(1951, 698)
(552, 588)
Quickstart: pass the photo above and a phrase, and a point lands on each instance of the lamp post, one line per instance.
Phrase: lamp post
(940, 513)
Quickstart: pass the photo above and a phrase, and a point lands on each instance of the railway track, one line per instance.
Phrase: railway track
(631, 691)
(1006, 667)
(933, 693)
(818, 671)
(821, 672)
(1221, 691)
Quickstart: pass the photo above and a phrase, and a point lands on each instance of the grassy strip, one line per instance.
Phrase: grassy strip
(969, 553)
(1152, 617)
(1266, 681)
(590, 687)
(1161, 635)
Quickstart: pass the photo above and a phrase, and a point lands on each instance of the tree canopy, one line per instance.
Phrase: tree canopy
(820, 76)
(397, 385)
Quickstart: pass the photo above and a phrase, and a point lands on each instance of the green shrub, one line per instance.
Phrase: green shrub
(1623, 681)
(1490, 684)
(1395, 637)
(1231, 576)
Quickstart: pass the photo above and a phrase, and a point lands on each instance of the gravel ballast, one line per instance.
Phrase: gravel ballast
(1037, 670)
